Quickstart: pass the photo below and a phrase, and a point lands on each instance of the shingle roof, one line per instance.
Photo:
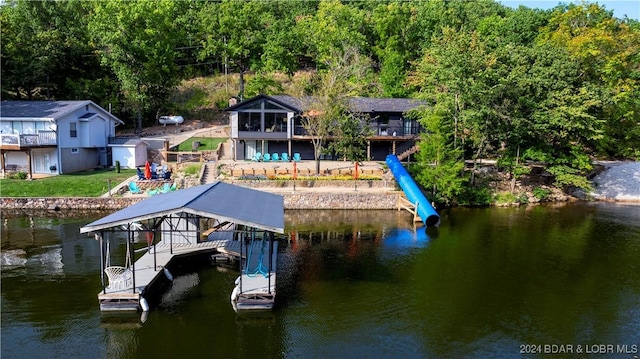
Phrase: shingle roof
(42, 109)
(367, 104)
(356, 104)
(38, 109)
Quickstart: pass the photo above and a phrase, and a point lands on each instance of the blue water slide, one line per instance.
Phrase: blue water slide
(426, 211)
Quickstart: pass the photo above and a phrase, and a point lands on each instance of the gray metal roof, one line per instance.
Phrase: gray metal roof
(220, 200)
(356, 104)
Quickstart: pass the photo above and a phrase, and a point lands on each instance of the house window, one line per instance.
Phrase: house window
(17, 127)
(249, 121)
(275, 122)
(74, 131)
(74, 151)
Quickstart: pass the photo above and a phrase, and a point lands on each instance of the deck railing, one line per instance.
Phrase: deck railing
(42, 138)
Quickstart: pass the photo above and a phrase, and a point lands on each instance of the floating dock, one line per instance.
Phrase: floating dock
(252, 291)
(256, 286)
(218, 219)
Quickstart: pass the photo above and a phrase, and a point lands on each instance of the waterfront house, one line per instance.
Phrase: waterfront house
(54, 137)
(273, 124)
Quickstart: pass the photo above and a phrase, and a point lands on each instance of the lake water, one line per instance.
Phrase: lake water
(497, 282)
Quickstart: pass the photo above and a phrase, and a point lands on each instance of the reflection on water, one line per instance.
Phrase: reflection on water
(350, 283)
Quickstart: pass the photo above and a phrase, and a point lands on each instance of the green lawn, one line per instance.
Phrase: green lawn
(80, 184)
(206, 143)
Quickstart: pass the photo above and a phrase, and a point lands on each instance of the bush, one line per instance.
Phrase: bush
(475, 196)
(253, 177)
(541, 193)
(505, 198)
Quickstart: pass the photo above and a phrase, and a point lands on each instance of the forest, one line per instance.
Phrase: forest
(559, 87)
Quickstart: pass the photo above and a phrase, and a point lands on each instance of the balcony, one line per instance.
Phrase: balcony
(378, 132)
(42, 138)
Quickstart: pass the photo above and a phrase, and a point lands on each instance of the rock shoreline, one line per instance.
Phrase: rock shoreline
(296, 200)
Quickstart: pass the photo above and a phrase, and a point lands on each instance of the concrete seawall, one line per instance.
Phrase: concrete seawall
(294, 200)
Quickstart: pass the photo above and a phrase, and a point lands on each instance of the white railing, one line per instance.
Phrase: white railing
(42, 138)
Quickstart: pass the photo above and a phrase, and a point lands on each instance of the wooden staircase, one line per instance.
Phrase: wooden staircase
(408, 152)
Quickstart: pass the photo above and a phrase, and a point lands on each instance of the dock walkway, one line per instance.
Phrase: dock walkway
(152, 264)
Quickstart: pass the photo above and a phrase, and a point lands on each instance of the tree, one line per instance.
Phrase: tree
(46, 51)
(334, 27)
(137, 40)
(329, 100)
(607, 51)
(397, 42)
(351, 135)
(236, 33)
(439, 165)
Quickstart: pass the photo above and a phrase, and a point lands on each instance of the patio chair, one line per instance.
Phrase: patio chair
(257, 157)
(133, 188)
(266, 157)
(165, 188)
(119, 278)
(296, 157)
(275, 157)
(140, 174)
(285, 157)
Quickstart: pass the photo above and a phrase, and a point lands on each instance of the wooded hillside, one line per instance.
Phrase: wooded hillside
(558, 87)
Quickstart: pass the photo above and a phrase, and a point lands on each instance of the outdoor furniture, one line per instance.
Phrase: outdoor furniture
(266, 157)
(166, 175)
(257, 157)
(275, 157)
(285, 157)
(119, 277)
(133, 188)
(165, 188)
(140, 174)
(296, 157)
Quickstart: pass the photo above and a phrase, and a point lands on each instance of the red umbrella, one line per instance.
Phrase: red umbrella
(147, 170)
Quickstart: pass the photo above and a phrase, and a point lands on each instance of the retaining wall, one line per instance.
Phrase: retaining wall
(295, 200)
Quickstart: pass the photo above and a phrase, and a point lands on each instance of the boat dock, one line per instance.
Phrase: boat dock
(253, 290)
(221, 220)
(256, 286)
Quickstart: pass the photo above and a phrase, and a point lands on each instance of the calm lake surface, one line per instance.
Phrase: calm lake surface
(493, 282)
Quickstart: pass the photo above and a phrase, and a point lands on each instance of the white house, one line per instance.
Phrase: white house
(54, 136)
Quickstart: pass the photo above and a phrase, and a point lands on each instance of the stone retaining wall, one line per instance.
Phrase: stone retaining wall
(296, 200)
(347, 185)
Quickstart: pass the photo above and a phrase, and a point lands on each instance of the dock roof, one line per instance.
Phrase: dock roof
(220, 200)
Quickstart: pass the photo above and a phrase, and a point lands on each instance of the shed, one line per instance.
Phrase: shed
(130, 152)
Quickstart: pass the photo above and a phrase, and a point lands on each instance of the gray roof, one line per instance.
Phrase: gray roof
(125, 141)
(356, 104)
(41, 110)
(368, 105)
(220, 200)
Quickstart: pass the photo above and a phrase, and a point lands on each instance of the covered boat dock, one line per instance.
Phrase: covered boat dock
(220, 220)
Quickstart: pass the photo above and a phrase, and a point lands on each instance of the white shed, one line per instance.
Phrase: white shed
(131, 153)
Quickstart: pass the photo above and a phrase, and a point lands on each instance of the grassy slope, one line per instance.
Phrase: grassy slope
(80, 184)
